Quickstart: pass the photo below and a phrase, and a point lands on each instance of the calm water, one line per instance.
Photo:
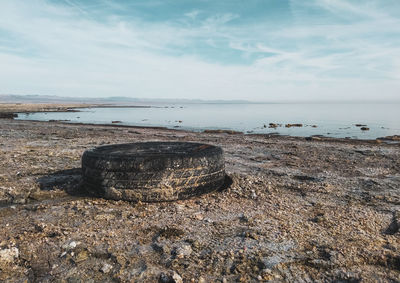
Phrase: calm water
(335, 120)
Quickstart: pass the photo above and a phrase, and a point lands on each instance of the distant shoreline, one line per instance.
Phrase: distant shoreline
(122, 100)
(17, 108)
(57, 107)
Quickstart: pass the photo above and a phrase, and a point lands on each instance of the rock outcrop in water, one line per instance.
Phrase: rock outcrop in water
(293, 125)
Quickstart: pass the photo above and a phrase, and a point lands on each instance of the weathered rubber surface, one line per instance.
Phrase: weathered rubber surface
(153, 171)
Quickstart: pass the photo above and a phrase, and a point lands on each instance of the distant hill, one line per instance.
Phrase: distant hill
(15, 98)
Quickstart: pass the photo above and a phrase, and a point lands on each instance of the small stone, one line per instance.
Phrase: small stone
(208, 220)
(69, 246)
(170, 277)
(183, 250)
(179, 207)
(9, 255)
(267, 270)
(243, 217)
(164, 278)
(82, 256)
(228, 265)
(106, 268)
(199, 216)
(177, 278)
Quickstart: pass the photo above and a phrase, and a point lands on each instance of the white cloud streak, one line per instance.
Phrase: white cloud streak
(60, 52)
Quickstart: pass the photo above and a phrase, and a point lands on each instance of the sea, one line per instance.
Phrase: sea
(340, 120)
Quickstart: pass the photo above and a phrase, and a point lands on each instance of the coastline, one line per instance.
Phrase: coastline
(13, 109)
(295, 208)
(16, 108)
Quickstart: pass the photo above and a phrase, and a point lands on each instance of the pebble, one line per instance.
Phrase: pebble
(183, 250)
(9, 255)
(69, 246)
(208, 220)
(106, 268)
(82, 256)
(279, 212)
(171, 276)
(179, 207)
(177, 278)
(199, 216)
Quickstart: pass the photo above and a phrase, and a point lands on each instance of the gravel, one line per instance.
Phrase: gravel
(292, 209)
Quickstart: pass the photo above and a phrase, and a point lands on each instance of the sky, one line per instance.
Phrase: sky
(258, 50)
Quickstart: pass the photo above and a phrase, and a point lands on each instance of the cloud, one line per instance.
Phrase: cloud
(76, 6)
(67, 48)
(193, 14)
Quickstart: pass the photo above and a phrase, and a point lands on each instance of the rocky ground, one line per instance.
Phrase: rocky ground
(292, 209)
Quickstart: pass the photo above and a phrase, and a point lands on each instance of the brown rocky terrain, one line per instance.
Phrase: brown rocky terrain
(292, 209)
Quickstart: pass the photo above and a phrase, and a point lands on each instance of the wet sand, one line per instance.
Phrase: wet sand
(292, 209)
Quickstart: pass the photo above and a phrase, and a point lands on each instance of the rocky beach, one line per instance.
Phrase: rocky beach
(292, 209)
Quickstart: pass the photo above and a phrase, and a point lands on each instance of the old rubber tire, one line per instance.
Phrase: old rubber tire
(153, 171)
